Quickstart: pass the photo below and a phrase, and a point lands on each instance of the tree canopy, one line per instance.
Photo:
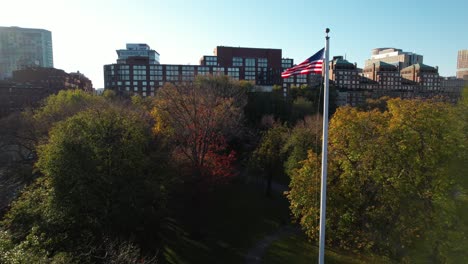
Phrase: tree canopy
(104, 178)
(391, 183)
(199, 118)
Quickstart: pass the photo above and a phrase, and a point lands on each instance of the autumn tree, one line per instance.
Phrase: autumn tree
(391, 182)
(199, 118)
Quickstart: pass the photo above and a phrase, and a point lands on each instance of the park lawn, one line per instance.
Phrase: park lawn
(235, 216)
(295, 249)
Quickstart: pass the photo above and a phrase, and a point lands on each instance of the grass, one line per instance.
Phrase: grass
(296, 249)
(233, 218)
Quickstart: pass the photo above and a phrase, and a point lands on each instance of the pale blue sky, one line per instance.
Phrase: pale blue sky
(85, 34)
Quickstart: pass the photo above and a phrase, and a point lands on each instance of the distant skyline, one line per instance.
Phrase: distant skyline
(86, 34)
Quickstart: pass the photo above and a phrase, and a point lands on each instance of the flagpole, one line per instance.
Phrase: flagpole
(323, 189)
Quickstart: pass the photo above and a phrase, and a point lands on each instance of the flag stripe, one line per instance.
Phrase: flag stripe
(314, 64)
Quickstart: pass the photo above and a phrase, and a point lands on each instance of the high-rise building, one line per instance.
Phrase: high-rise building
(24, 47)
(397, 57)
(462, 64)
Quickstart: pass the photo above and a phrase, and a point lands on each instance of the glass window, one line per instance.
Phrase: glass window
(286, 63)
(172, 78)
(301, 78)
(156, 67)
(233, 73)
(250, 62)
(172, 68)
(218, 71)
(237, 61)
(262, 62)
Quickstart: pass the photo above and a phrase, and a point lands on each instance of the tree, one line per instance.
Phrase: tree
(260, 104)
(104, 176)
(21, 133)
(314, 95)
(391, 185)
(268, 157)
(306, 135)
(301, 108)
(199, 117)
(59, 107)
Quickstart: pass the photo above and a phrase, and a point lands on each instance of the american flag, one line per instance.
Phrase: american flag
(311, 65)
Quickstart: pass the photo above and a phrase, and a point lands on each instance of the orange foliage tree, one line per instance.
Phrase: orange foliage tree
(198, 118)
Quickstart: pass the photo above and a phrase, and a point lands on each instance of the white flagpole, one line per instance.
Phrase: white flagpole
(323, 189)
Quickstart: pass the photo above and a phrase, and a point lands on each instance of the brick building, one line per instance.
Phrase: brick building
(29, 86)
(140, 75)
(384, 79)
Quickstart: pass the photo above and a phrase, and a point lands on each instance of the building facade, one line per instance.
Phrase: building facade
(397, 57)
(384, 79)
(462, 64)
(29, 86)
(24, 47)
(143, 76)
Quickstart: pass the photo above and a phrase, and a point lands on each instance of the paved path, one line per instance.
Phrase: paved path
(256, 253)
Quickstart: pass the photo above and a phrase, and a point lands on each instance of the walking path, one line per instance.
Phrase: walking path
(255, 254)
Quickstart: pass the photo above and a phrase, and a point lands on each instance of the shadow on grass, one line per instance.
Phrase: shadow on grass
(232, 219)
(296, 249)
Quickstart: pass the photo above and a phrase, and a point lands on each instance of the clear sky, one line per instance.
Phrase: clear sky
(86, 33)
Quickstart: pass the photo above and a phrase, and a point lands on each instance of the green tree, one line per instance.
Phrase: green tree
(301, 107)
(391, 182)
(306, 135)
(101, 169)
(268, 157)
(104, 176)
(262, 104)
(23, 132)
(314, 95)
